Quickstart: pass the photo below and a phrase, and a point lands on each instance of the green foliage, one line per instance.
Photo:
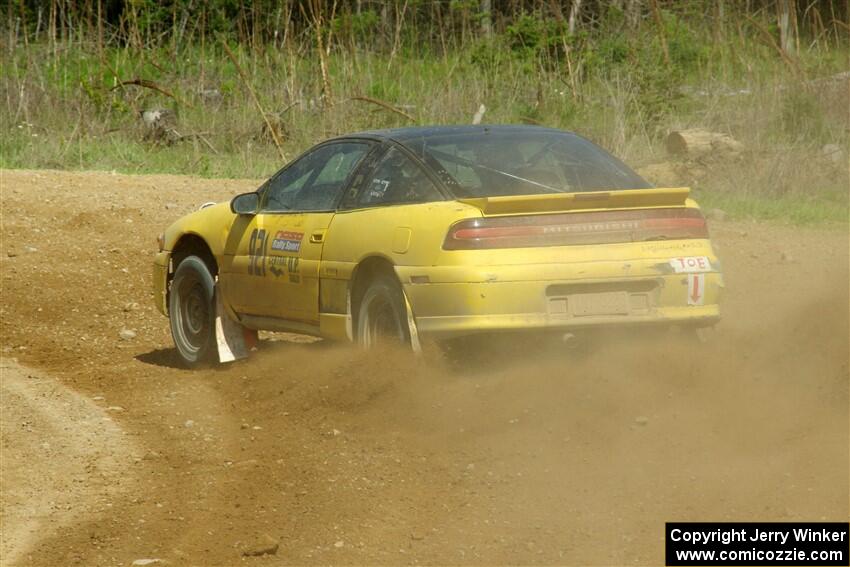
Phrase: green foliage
(489, 54)
(150, 15)
(529, 112)
(384, 90)
(641, 57)
(357, 27)
(532, 36)
(463, 5)
(688, 49)
(96, 96)
(609, 80)
(801, 117)
(606, 54)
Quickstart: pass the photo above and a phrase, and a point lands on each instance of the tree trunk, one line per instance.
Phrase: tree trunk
(486, 18)
(573, 18)
(787, 39)
(633, 14)
(697, 142)
(719, 19)
(659, 23)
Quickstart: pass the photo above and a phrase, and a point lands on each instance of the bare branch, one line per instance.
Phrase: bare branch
(385, 105)
(153, 86)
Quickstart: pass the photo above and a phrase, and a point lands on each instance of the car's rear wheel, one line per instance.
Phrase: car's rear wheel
(382, 315)
(191, 311)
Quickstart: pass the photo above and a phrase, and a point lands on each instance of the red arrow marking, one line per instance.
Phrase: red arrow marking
(695, 294)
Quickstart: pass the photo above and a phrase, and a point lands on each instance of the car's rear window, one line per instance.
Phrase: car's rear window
(497, 162)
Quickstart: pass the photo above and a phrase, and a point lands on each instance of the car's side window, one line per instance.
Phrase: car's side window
(397, 179)
(313, 182)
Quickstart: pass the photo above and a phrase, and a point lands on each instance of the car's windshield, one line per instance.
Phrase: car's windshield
(497, 162)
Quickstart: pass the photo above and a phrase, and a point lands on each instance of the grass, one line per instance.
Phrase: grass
(115, 152)
(64, 110)
(794, 210)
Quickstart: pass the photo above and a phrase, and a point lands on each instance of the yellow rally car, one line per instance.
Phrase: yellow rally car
(437, 232)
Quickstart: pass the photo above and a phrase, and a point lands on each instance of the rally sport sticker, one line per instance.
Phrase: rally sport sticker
(285, 241)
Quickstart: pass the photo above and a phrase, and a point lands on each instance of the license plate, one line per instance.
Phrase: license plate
(609, 303)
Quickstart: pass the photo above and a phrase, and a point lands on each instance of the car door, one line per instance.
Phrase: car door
(296, 209)
(387, 212)
(238, 278)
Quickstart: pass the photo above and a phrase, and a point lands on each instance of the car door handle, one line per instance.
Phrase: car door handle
(317, 237)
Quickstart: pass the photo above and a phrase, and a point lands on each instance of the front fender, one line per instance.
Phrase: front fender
(211, 223)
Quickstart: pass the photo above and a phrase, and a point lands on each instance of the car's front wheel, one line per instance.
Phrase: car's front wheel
(382, 315)
(191, 311)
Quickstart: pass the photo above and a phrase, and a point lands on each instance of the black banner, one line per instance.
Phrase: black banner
(754, 543)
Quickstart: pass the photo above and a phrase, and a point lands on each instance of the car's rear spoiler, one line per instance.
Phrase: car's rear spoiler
(619, 199)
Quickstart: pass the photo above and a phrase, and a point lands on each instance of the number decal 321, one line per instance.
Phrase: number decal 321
(257, 253)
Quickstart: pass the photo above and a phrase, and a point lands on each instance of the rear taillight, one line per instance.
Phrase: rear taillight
(601, 227)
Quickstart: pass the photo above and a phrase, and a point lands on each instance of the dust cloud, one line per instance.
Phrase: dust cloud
(582, 454)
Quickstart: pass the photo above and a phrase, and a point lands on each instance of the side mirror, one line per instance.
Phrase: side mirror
(245, 204)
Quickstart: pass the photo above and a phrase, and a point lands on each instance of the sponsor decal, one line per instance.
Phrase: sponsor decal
(377, 189)
(691, 264)
(259, 261)
(660, 246)
(696, 289)
(286, 241)
(279, 265)
(257, 253)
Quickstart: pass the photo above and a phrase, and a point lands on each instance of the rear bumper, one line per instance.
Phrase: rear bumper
(452, 309)
(160, 281)
(449, 326)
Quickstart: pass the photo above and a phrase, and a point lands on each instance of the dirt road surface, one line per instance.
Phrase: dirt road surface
(62, 455)
(324, 454)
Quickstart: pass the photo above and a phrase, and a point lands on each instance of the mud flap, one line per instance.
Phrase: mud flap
(349, 320)
(415, 345)
(233, 341)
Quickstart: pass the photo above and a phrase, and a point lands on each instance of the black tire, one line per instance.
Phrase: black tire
(191, 309)
(382, 314)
